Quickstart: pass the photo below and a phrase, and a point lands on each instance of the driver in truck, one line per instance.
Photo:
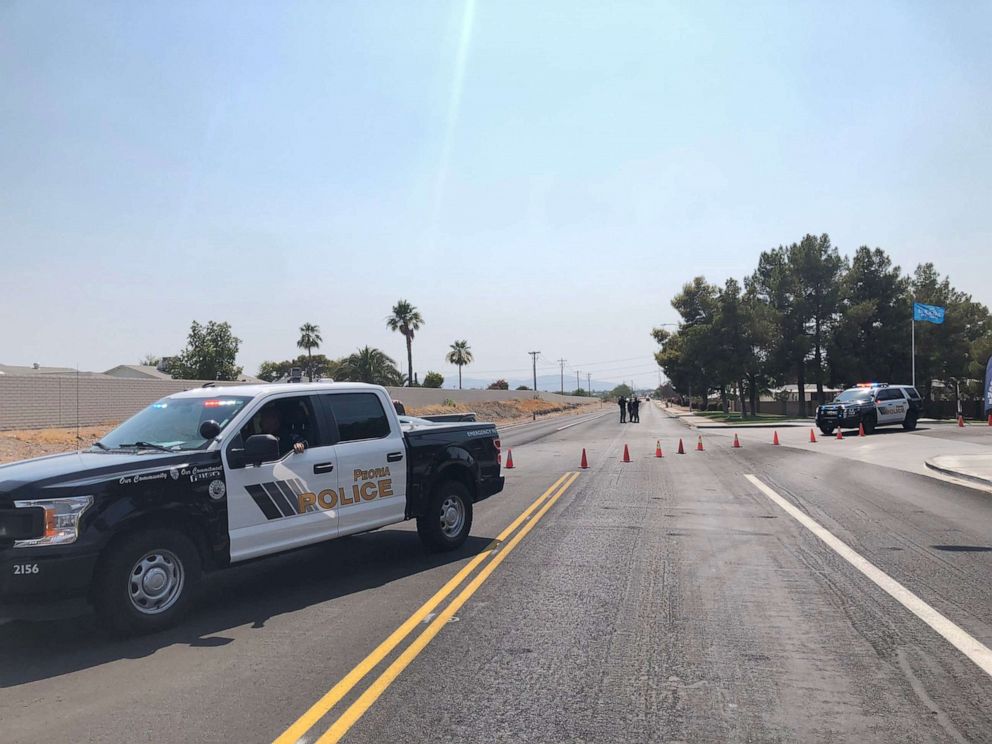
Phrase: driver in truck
(270, 422)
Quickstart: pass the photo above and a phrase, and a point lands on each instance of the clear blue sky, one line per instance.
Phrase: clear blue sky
(530, 175)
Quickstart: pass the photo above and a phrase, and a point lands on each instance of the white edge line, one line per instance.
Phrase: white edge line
(963, 641)
(583, 421)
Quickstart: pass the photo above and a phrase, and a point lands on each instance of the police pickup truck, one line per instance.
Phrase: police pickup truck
(211, 477)
(871, 404)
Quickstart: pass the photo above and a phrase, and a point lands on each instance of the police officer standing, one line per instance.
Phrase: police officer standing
(635, 410)
(622, 402)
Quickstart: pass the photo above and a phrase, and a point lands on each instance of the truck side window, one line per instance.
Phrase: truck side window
(290, 420)
(359, 416)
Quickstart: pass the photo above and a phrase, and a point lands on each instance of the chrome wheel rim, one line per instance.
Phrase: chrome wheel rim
(452, 516)
(156, 582)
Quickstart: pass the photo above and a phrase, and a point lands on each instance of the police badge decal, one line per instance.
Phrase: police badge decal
(217, 489)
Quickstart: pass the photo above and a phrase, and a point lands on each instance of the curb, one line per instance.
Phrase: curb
(958, 474)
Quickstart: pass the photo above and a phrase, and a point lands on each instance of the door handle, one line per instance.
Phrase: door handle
(394, 457)
(323, 467)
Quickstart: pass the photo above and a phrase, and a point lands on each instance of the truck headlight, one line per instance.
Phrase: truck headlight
(61, 520)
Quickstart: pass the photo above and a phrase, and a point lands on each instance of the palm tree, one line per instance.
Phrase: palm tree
(406, 319)
(370, 365)
(460, 355)
(309, 340)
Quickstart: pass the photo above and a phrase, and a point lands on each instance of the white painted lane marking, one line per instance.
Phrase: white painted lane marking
(963, 641)
(591, 418)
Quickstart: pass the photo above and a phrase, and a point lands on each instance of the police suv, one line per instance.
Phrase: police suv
(871, 404)
(211, 477)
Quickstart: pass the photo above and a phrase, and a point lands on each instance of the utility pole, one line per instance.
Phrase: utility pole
(561, 364)
(578, 385)
(589, 383)
(533, 355)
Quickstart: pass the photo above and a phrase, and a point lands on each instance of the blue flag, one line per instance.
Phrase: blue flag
(928, 313)
(988, 386)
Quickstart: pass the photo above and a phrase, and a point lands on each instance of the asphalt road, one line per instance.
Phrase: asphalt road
(669, 600)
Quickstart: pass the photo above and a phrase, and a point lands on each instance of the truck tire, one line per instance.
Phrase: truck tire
(909, 423)
(146, 582)
(448, 519)
(826, 429)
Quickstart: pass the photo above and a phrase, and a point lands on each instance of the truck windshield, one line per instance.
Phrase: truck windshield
(173, 423)
(855, 394)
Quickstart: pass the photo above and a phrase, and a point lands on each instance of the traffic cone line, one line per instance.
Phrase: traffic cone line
(626, 454)
(657, 449)
(840, 433)
(775, 439)
(699, 444)
(509, 459)
(990, 419)
(681, 450)
(584, 464)
(812, 436)
(960, 420)
(737, 442)
(861, 430)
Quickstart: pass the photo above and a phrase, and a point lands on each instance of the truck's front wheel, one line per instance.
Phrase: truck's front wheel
(448, 519)
(146, 581)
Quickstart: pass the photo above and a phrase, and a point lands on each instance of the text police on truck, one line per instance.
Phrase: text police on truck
(211, 477)
(871, 404)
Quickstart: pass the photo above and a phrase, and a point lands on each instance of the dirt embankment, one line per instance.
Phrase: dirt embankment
(21, 445)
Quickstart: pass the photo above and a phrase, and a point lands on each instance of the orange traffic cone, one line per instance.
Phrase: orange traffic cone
(775, 439)
(699, 444)
(861, 430)
(681, 450)
(812, 436)
(626, 454)
(657, 449)
(585, 463)
(509, 459)
(960, 420)
(840, 433)
(737, 442)
(990, 419)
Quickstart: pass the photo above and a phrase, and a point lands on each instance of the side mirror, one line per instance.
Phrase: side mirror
(261, 448)
(209, 429)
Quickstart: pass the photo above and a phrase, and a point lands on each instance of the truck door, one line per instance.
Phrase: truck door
(891, 406)
(285, 503)
(371, 460)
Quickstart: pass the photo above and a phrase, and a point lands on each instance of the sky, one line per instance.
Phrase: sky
(532, 176)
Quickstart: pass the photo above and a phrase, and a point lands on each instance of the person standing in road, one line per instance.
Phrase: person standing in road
(630, 410)
(635, 410)
(622, 402)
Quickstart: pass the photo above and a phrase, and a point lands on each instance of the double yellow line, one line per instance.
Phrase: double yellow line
(356, 710)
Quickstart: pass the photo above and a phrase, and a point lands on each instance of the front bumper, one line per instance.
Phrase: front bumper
(850, 420)
(34, 581)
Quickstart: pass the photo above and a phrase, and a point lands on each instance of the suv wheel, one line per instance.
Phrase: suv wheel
(869, 422)
(909, 423)
(448, 519)
(826, 429)
(146, 582)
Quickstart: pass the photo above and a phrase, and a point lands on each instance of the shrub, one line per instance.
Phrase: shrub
(499, 385)
(433, 380)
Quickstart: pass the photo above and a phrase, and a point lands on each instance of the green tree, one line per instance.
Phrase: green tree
(460, 355)
(499, 385)
(372, 366)
(321, 366)
(521, 387)
(406, 319)
(621, 389)
(870, 341)
(309, 340)
(210, 353)
(818, 268)
(433, 380)
(149, 360)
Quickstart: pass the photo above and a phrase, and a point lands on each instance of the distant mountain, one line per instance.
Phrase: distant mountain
(547, 383)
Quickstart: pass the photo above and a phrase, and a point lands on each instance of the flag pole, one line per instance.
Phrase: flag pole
(914, 345)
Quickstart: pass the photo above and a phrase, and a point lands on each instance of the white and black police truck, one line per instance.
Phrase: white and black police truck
(871, 404)
(212, 477)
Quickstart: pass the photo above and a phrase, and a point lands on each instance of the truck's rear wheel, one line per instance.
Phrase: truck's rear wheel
(448, 519)
(146, 582)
